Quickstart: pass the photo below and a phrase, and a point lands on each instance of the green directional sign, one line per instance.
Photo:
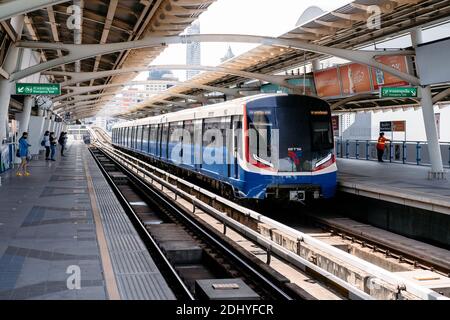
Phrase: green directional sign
(398, 92)
(38, 88)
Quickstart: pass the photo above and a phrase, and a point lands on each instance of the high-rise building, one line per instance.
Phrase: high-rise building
(193, 51)
(227, 55)
(156, 88)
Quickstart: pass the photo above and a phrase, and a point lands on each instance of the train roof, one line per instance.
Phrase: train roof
(227, 108)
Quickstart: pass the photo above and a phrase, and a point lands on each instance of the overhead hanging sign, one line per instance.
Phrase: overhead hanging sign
(398, 92)
(38, 88)
(432, 62)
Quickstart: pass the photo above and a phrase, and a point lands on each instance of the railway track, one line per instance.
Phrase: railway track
(400, 253)
(348, 275)
(159, 222)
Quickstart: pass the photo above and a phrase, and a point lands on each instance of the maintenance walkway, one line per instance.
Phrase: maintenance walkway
(398, 183)
(63, 224)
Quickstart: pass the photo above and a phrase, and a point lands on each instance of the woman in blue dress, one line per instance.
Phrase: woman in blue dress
(23, 154)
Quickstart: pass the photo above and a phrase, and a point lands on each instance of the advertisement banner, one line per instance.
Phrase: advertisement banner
(383, 79)
(399, 126)
(327, 83)
(355, 79)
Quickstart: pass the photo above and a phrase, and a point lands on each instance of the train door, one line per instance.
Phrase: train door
(164, 141)
(236, 131)
(198, 147)
(158, 140)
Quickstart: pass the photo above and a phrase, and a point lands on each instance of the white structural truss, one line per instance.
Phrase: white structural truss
(81, 90)
(76, 77)
(79, 52)
(17, 7)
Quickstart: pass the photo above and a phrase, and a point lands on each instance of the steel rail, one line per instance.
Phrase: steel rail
(168, 270)
(199, 230)
(400, 283)
(268, 245)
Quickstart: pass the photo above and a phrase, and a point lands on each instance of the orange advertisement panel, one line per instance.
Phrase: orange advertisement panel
(383, 79)
(399, 126)
(327, 83)
(355, 78)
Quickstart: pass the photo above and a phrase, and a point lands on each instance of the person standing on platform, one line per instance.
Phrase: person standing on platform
(62, 141)
(53, 144)
(23, 153)
(46, 144)
(381, 145)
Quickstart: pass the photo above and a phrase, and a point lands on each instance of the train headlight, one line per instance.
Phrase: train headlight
(325, 162)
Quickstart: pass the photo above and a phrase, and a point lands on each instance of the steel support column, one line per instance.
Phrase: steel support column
(434, 149)
(9, 66)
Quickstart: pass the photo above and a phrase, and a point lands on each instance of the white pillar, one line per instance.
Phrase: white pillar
(434, 149)
(5, 86)
(36, 133)
(316, 65)
(416, 37)
(24, 117)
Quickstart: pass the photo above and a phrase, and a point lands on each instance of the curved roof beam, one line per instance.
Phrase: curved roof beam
(77, 77)
(343, 102)
(79, 52)
(441, 95)
(77, 105)
(14, 8)
(82, 90)
(198, 98)
(94, 103)
(76, 101)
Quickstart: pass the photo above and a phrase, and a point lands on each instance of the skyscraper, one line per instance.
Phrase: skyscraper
(193, 55)
(229, 55)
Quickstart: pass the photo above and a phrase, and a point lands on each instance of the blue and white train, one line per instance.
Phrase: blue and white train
(273, 146)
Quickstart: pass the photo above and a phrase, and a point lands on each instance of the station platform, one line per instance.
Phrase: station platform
(64, 235)
(397, 183)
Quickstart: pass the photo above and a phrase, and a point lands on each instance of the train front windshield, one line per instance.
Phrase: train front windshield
(292, 137)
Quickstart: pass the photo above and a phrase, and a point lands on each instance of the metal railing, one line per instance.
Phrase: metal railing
(405, 152)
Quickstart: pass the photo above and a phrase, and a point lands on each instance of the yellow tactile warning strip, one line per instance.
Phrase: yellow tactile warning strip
(110, 279)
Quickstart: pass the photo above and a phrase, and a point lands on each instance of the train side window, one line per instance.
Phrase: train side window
(131, 143)
(153, 139)
(139, 138)
(158, 140)
(164, 139)
(198, 146)
(145, 138)
(130, 137)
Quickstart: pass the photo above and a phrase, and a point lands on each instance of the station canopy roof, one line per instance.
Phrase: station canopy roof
(344, 28)
(110, 21)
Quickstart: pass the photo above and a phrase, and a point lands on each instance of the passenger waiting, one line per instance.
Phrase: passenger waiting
(46, 143)
(53, 144)
(24, 155)
(62, 141)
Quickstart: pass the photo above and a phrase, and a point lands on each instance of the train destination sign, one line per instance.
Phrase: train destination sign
(398, 92)
(38, 88)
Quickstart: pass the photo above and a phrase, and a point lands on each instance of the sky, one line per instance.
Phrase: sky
(255, 17)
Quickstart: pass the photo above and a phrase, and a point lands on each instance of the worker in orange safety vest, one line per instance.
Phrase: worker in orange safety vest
(381, 146)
